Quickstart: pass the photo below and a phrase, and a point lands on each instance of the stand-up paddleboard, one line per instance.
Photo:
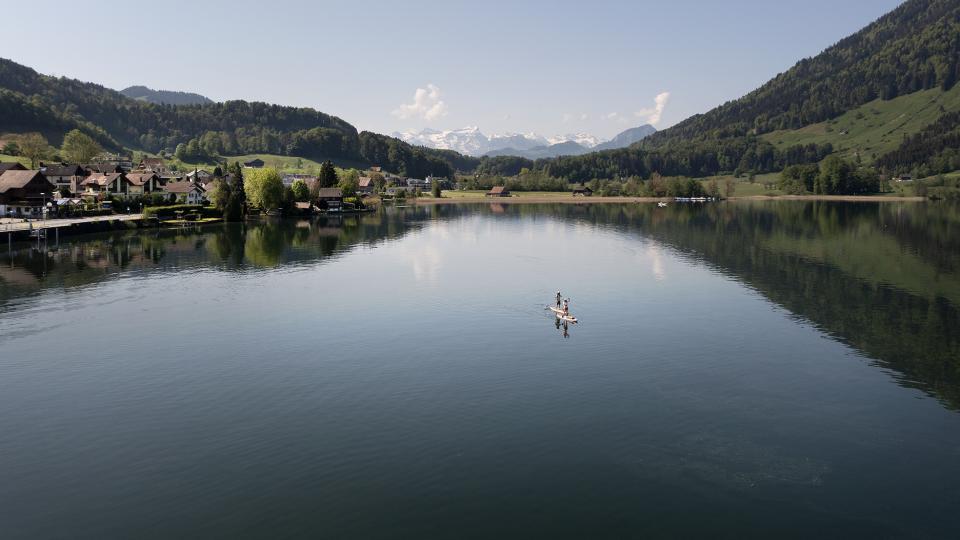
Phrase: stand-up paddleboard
(561, 316)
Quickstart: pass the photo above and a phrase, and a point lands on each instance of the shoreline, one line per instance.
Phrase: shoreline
(614, 200)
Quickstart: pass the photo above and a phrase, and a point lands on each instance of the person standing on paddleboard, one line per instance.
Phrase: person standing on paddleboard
(566, 307)
(559, 298)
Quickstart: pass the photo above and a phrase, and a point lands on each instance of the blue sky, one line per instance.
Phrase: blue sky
(551, 67)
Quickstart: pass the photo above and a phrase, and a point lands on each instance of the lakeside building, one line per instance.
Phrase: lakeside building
(186, 192)
(365, 185)
(498, 191)
(65, 176)
(582, 191)
(24, 192)
(254, 164)
(417, 183)
(330, 199)
(100, 185)
(143, 182)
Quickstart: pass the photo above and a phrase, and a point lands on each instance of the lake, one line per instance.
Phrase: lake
(741, 369)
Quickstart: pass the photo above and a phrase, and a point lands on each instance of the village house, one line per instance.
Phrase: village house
(103, 168)
(186, 192)
(169, 177)
(442, 180)
(289, 179)
(498, 191)
(199, 175)
(124, 163)
(11, 166)
(143, 182)
(905, 178)
(582, 191)
(330, 199)
(152, 165)
(376, 169)
(365, 185)
(416, 183)
(254, 164)
(65, 176)
(101, 185)
(24, 193)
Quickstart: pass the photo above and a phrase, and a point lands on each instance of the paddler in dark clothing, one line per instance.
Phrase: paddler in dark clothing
(559, 298)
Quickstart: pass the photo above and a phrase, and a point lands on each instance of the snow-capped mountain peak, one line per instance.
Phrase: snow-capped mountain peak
(471, 141)
(583, 139)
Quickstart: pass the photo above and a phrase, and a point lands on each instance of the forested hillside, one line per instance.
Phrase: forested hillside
(913, 48)
(165, 97)
(30, 101)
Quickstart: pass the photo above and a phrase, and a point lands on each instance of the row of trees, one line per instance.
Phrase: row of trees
(695, 159)
(264, 189)
(834, 176)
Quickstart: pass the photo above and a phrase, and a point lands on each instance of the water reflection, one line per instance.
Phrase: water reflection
(881, 277)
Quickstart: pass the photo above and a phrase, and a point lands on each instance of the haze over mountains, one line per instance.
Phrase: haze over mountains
(472, 142)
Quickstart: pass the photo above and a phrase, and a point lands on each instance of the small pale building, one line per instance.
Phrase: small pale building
(186, 192)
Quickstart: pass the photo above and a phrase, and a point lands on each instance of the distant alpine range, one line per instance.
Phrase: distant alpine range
(471, 141)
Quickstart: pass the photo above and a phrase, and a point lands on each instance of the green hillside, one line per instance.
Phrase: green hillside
(52, 106)
(875, 128)
(875, 85)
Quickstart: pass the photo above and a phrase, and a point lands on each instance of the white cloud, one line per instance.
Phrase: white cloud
(567, 117)
(652, 115)
(426, 104)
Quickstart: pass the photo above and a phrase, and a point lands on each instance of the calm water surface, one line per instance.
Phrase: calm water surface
(741, 369)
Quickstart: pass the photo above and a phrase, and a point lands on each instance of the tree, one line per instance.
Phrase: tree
(78, 147)
(217, 172)
(713, 188)
(237, 201)
(349, 185)
(220, 194)
(379, 182)
(301, 192)
(34, 147)
(11, 149)
(729, 187)
(328, 175)
(435, 189)
(264, 188)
